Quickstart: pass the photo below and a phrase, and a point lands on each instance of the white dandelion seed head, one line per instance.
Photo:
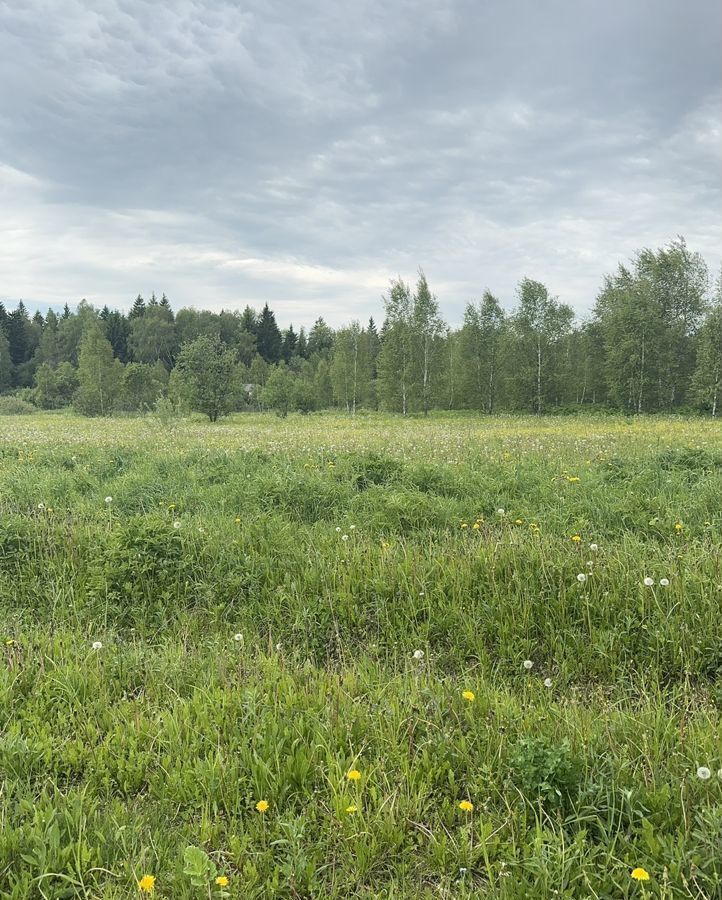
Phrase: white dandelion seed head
(703, 773)
(177, 524)
(108, 499)
(418, 654)
(581, 577)
(97, 645)
(547, 682)
(501, 511)
(344, 537)
(352, 527)
(279, 645)
(528, 664)
(238, 637)
(594, 547)
(338, 528)
(41, 506)
(649, 582)
(664, 582)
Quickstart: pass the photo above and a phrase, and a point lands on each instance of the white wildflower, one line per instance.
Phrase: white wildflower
(177, 524)
(97, 645)
(703, 773)
(108, 499)
(418, 654)
(547, 682)
(581, 578)
(649, 582)
(528, 664)
(238, 637)
(664, 582)
(594, 547)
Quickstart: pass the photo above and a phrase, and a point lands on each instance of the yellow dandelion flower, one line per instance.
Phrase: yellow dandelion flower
(237, 520)
(353, 775)
(222, 881)
(640, 874)
(262, 806)
(351, 809)
(464, 525)
(468, 695)
(476, 526)
(678, 526)
(576, 538)
(466, 806)
(519, 521)
(146, 885)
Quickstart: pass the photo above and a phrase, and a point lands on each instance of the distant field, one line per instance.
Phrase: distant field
(453, 609)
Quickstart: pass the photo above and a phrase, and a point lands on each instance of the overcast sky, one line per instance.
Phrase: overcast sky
(304, 153)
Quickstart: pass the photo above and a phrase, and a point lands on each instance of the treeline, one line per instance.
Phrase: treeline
(653, 343)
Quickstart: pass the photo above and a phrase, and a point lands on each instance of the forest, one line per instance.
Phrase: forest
(652, 343)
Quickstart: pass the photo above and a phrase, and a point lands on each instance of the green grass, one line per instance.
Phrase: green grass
(336, 549)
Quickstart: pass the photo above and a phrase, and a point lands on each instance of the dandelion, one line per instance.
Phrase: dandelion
(464, 525)
(344, 537)
(222, 881)
(146, 885)
(703, 773)
(547, 682)
(262, 806)
(528, 664)
(352, 527)
(238, 637)
(640, 874)
(418, 654)
(664, 582)
(476, 526)
(469, 696)
(577, 538)
(237, 520)
(649, 582)
(177, 524)
(353, 775)
(279, 646)
(108, 499)
(678, 526)
(338, 529)
(594, 547)
(501, 511)
(97, 645)
(519, 521)
(581, 578)
(351, 809)
(41, 506)
(466, 806)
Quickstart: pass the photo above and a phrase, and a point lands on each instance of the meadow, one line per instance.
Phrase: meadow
(325, 657)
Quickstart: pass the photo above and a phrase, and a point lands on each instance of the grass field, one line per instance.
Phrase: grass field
(360, 658)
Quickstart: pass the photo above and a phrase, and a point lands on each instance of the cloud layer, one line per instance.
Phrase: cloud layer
(305, 153)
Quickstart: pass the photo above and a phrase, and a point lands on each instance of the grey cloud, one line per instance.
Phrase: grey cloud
(304, 153)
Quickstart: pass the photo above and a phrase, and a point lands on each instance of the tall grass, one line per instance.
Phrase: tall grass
(280, 603)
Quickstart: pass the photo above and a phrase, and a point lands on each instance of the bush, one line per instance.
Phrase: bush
(14, 406)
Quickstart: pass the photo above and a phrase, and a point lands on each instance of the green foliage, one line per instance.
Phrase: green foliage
(259, 589)
(206, 376)
(99, 375)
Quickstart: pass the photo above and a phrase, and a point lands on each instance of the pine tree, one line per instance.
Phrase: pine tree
(288, 348)
(137, 310)
(268, 336)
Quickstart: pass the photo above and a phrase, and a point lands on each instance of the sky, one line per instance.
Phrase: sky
(302, 154)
